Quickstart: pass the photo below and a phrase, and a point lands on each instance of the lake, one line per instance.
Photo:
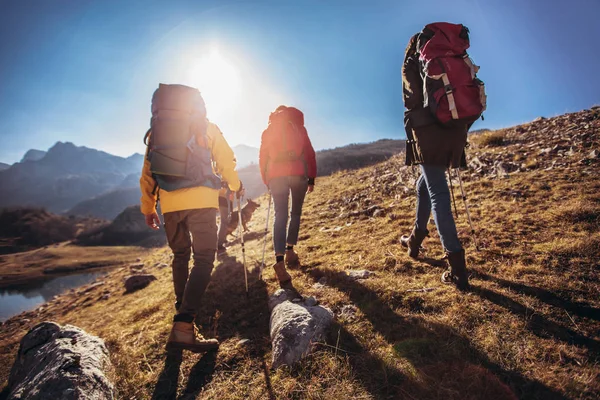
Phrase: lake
(24, 298)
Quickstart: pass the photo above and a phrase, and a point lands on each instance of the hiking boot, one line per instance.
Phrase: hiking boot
(457, 271)
(413, 242)
(185, 336)
(282, 274)
(292, 259)
(285, 279)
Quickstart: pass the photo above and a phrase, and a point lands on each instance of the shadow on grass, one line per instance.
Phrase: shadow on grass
(580, 309)
(536, 323)
(166, 386)
(397, 330)
(229, 312)
(200, 375)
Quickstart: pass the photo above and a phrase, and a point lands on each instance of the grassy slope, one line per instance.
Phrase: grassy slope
(529, 329)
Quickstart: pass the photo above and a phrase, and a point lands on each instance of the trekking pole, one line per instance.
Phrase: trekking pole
(452, 191)
(467, 209)
(241, 235)
(262, 265)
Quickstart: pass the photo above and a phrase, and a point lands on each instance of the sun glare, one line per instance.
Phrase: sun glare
(218, 80)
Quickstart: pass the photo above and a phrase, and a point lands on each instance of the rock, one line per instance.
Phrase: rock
(92, 287)
(310, 301)
(161, 265)
(105, 297)
(60, 362)
(295, 327)
(138, 259)
(243, 342)
(359, 274)
(137, 282)
(348, 312)
(378, 213)
(136, 267)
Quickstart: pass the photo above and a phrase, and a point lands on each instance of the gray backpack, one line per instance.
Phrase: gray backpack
(177, 144)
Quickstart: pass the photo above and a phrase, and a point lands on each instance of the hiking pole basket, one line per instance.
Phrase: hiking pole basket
(262, 265)
(241, 235)
(462, 190)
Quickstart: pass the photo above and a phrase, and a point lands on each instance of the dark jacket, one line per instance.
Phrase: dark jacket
(427, 141)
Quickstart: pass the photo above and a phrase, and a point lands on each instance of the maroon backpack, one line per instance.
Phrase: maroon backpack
(452, 91)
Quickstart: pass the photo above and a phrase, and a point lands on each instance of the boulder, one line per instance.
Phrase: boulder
(137, 282)
(60, 362)
(295, 327)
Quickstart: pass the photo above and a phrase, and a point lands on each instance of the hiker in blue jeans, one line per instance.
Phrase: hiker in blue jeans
(434, 148)
(288, 166)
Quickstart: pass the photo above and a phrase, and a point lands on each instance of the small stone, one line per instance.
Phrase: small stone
(105, 297)
(378, 213)
(137, 282)
(138, 259)
(92, 287)
(310, 301)
(162, 265)
(359, 274)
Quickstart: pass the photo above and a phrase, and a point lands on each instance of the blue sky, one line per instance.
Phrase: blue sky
(84, 71)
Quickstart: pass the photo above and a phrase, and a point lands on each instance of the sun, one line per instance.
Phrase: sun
(218, 79)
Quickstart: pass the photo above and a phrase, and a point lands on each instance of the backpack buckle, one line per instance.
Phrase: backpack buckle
(448, 88)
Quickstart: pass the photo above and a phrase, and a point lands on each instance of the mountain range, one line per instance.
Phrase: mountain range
(76, 180)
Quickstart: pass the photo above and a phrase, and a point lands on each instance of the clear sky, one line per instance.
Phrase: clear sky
(84, 71)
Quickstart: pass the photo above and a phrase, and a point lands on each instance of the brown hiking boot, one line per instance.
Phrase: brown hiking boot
(413, 242)
(457, 271)
(292, 259)
(285, 279)
(185, 336)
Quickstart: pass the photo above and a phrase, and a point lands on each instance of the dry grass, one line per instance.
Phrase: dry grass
(490, 139)
(63, 258)
(529, 328)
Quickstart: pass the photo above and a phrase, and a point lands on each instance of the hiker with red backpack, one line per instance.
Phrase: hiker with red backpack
(185, 154)
(443, 97)
(288, 166)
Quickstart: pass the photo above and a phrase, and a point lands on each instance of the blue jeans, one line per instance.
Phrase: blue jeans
(280, 190)
(433, 195)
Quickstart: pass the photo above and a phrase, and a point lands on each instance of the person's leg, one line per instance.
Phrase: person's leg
(298, 186)
(203, 226)
(439, 193)
(280, 191)
(423, 204)
(178, 237)
(413, 241)
(224, 216)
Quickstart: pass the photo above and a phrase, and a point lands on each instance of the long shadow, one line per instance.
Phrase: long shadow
(396, 329)
(229, 312)
(200, 375)
(539, 325)
(166, 386)
(580, 309)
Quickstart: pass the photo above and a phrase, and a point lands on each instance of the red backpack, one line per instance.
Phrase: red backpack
(451, 88)
(286, 135)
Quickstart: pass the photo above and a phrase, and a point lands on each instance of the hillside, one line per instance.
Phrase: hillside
(28, 228)
(530, 327)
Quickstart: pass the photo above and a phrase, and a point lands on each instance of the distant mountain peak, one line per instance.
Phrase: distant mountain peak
(33, 155)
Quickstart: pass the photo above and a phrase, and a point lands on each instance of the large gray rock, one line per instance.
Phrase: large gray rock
(60, 362)
(137, 282)
(295, 327)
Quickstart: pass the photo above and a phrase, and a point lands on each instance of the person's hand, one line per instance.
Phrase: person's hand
(153, 221)
(310, 189)
(241, 191)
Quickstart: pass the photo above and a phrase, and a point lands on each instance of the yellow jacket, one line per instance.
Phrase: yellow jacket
(196, 197)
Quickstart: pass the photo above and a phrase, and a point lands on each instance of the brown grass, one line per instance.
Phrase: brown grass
(529, 328)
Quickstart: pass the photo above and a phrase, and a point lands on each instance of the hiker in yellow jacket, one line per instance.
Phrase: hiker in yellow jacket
(188, 210)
